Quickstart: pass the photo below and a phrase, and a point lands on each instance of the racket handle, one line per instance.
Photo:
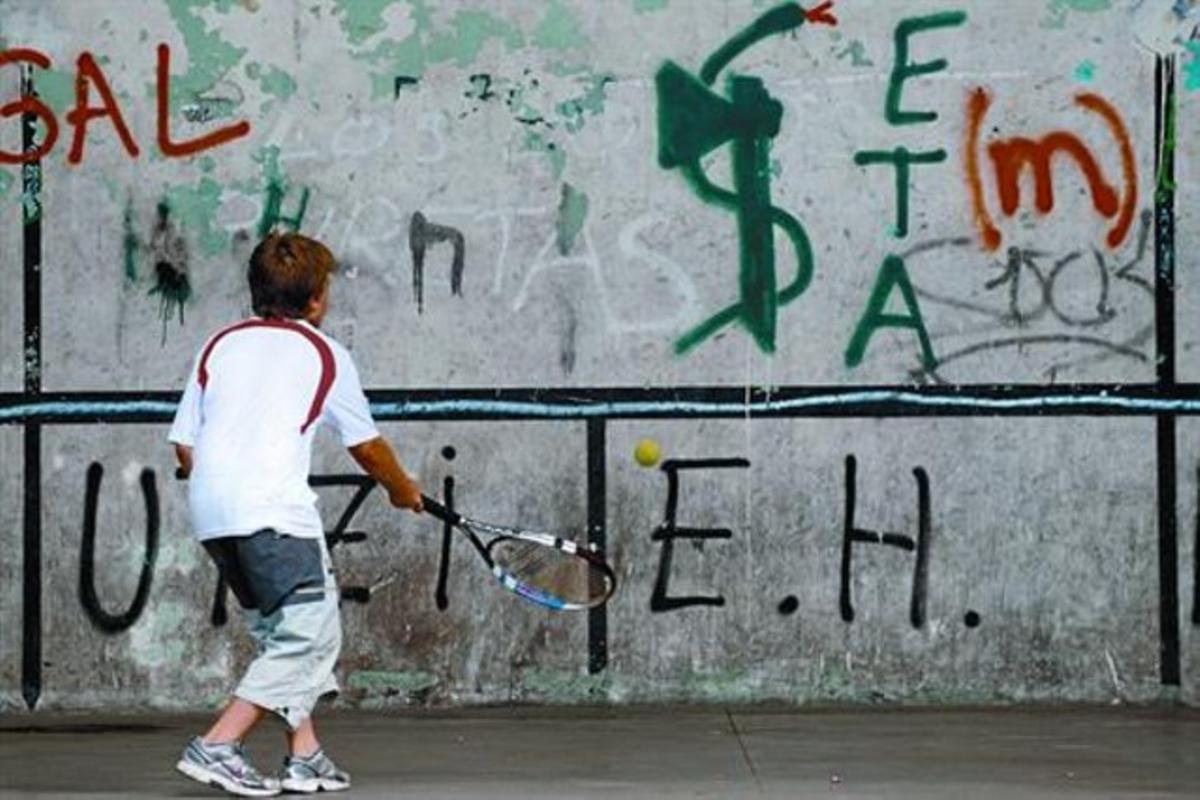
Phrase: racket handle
(438, 510)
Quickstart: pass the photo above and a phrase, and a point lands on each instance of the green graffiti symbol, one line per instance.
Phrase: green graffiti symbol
(892, 276)
(692, 122)
(273, 210)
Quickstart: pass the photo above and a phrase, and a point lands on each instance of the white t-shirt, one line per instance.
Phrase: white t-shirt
(256, 394)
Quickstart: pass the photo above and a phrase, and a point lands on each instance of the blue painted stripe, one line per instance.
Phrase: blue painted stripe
(833, 400)
(87, 408)
(684, 408)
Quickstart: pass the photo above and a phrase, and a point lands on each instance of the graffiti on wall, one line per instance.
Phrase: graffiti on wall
(89, 77)
(1010, 156)
(697, 119)
(692, 122)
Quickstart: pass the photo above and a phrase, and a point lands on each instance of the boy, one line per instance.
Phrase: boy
(243, 433)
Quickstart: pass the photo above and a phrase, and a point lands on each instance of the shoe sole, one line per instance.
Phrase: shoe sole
(313, 785)
(210, 778)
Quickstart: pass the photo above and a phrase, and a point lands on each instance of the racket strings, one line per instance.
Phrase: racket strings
(530, 558)
(569, 577)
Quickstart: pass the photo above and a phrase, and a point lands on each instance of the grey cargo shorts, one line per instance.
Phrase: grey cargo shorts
(286, 587)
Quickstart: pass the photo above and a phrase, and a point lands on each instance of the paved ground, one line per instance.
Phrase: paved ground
(653, 753)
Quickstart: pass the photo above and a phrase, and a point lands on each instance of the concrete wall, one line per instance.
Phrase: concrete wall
(548, 146)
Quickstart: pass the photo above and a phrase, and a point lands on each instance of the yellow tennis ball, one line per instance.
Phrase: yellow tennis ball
(647, 452)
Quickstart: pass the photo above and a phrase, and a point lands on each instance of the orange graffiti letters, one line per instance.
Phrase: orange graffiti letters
(1011, 156)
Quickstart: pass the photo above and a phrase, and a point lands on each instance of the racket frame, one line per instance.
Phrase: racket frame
(473, 529)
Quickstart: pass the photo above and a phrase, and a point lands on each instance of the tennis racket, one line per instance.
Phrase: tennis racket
(553, 572)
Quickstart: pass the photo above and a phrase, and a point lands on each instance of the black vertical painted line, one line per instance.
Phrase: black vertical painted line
(920, 588)
(1196, 559)
(1164, 316)
(597, 516)
(441, 596)
(845, 602)
(31, 217)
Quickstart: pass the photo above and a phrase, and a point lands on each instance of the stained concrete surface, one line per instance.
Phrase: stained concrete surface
(653, 753)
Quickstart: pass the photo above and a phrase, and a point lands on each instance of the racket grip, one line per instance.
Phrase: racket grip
(438, 510)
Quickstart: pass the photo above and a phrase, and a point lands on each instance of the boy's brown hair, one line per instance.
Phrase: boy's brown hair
(287, 271)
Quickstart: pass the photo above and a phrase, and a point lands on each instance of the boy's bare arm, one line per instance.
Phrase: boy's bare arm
(378, 460)
(183, 454)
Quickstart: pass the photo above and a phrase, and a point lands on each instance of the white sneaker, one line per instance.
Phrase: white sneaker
(225, 767)
(315, 773)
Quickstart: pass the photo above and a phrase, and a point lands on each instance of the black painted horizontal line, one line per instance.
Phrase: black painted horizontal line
(968, 400)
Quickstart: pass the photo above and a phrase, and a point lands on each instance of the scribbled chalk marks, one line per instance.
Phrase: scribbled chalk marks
(1035, 311)
(220, 102)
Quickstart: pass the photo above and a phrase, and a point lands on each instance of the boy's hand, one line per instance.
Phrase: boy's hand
(407, 495)
(379, 461)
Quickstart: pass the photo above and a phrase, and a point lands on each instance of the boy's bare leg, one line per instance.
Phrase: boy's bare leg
(303, 742)
(235, 722)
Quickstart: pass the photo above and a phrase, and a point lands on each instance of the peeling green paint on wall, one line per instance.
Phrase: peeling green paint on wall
(267, 159)
(565, 686)
(730, 685)
(1085, 72)
(6, 181)
(383, 682)
(460, 43)
(273, 81)
(645, 6)
(536, 142)
(56, 88)
(590, 103)
(209, 56)
(1191, 70)
(1057, 11)
(559, 29)
(572, 213)
(470, 31)
(196, 207)
(155, 643)
(362, 19)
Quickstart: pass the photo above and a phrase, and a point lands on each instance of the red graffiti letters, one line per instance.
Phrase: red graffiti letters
(1011, 156)
(186, 148)
(88, 71)
(28, 105)
(89, 76)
